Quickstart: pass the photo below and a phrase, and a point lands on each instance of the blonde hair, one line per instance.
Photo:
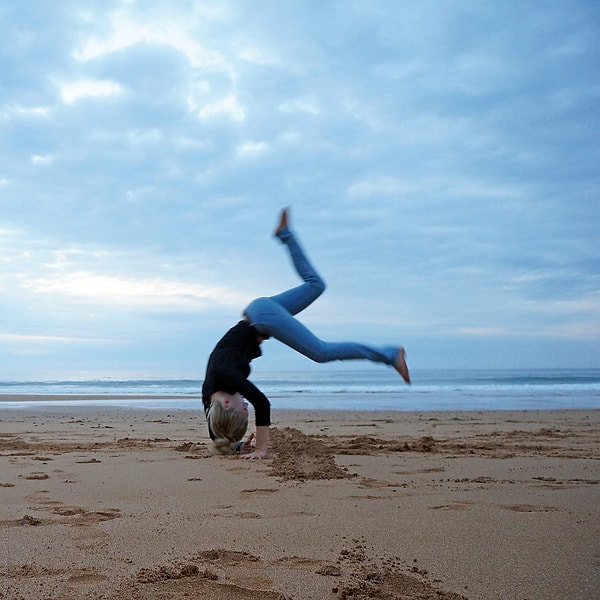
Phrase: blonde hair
(227, 425)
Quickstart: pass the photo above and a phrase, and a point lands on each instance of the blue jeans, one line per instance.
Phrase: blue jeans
(274, 317)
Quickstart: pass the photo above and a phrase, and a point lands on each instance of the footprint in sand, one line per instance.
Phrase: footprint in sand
(219, 573)
(37, 476)
(529, 508)
(257, 491)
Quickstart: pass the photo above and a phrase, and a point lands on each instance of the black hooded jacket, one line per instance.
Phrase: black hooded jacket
(228, 370)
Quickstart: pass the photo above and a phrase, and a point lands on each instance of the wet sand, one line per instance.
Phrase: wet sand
(103, 502)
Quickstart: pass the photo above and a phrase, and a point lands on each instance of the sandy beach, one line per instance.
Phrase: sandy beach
(103, 502)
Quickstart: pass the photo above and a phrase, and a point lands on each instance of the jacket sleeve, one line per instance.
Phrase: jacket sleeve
(261, 404)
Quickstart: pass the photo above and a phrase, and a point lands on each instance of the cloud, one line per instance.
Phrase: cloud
(77, 90)
(24, 111)
(166, 26)
(248, 149)
(382, 186)
(441, 162)
(41, 160)
(301, 105)
(16, 338)
(128, 291)
(228, 107)
(481, 331)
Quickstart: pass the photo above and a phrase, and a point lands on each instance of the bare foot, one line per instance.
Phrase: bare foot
(283, 221)
(401, 366)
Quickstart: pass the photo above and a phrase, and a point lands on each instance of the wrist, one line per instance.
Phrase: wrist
(262, 439)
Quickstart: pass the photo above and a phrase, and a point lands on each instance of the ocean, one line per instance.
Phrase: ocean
(331, 389)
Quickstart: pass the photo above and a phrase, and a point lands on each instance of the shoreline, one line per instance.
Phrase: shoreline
(83, 397)
(475, 505)
(14, 402)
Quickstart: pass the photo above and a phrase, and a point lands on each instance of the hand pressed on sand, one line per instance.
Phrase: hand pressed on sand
(261, 445)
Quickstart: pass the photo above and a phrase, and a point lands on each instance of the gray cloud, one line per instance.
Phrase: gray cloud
(441, 162)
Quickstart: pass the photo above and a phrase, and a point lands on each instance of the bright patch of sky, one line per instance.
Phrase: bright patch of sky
(440, 158)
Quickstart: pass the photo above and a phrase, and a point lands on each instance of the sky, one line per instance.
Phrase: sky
(441, 160)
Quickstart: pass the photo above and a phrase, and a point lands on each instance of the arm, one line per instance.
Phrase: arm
(233, 381)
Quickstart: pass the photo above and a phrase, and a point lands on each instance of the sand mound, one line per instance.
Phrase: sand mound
(300, 457)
